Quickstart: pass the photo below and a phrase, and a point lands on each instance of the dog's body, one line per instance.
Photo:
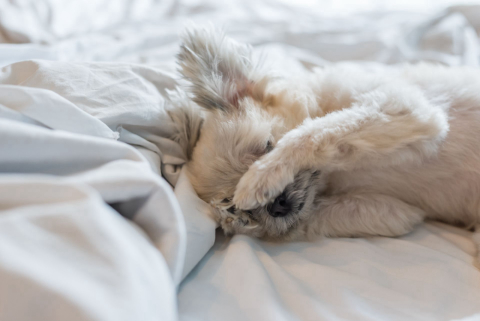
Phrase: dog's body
(337, 153)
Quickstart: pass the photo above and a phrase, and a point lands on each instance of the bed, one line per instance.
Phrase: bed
(98, 220)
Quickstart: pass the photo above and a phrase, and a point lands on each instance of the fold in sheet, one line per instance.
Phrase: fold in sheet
(64, 156)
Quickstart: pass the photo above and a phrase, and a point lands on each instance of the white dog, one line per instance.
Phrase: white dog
(337, 153)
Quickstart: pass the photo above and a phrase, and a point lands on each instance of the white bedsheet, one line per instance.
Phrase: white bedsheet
(83, 124)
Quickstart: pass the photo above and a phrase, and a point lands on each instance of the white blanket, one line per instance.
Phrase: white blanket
(89, 230)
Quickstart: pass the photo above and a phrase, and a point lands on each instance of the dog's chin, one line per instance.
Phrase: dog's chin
(301, 194)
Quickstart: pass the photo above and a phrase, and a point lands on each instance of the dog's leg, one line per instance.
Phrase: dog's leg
(387, 126)
(364, 214)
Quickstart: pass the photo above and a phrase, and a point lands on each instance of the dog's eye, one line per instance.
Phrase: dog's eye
(226, 200)
(231, 209)
(269, 146)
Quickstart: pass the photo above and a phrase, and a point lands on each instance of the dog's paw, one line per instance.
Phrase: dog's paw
(261, 184)
(239, 223)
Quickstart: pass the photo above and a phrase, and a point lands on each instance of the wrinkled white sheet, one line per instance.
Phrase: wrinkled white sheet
(83, 125)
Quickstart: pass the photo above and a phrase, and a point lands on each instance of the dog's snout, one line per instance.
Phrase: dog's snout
(280, 207)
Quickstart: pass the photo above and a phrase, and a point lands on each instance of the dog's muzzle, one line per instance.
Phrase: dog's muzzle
(280, 207)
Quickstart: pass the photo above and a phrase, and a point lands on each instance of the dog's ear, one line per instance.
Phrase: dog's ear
(187, 119)
(220, 70)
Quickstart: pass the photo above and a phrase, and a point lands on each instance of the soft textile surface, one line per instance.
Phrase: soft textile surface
(89, 230)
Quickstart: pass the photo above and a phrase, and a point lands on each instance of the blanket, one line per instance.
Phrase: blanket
(98, 220)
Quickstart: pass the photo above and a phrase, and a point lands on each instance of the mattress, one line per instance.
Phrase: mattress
(98, 220)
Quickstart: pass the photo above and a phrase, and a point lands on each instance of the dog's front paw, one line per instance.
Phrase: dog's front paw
(239, 223)
(261, 184)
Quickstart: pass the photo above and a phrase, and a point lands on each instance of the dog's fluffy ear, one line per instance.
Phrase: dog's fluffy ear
(220, 70)
(187, 119)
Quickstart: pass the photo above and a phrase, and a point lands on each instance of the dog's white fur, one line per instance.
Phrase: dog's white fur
(392, 149)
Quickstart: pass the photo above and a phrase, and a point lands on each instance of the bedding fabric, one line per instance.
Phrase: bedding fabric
(90, 226)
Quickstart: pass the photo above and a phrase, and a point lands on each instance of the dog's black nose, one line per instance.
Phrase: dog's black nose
(280, 207)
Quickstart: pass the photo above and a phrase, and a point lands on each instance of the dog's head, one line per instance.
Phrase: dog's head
(246, 113)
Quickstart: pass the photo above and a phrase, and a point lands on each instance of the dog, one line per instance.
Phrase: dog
(339, 152)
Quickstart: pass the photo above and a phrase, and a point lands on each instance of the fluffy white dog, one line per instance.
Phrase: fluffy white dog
(339, 153)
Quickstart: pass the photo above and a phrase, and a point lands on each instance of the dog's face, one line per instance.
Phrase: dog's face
(228, 145)
(243, 122)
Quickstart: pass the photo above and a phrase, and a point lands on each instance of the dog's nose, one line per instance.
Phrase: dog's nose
(280, 207)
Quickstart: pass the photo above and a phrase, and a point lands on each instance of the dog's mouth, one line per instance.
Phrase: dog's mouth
(300, 207)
